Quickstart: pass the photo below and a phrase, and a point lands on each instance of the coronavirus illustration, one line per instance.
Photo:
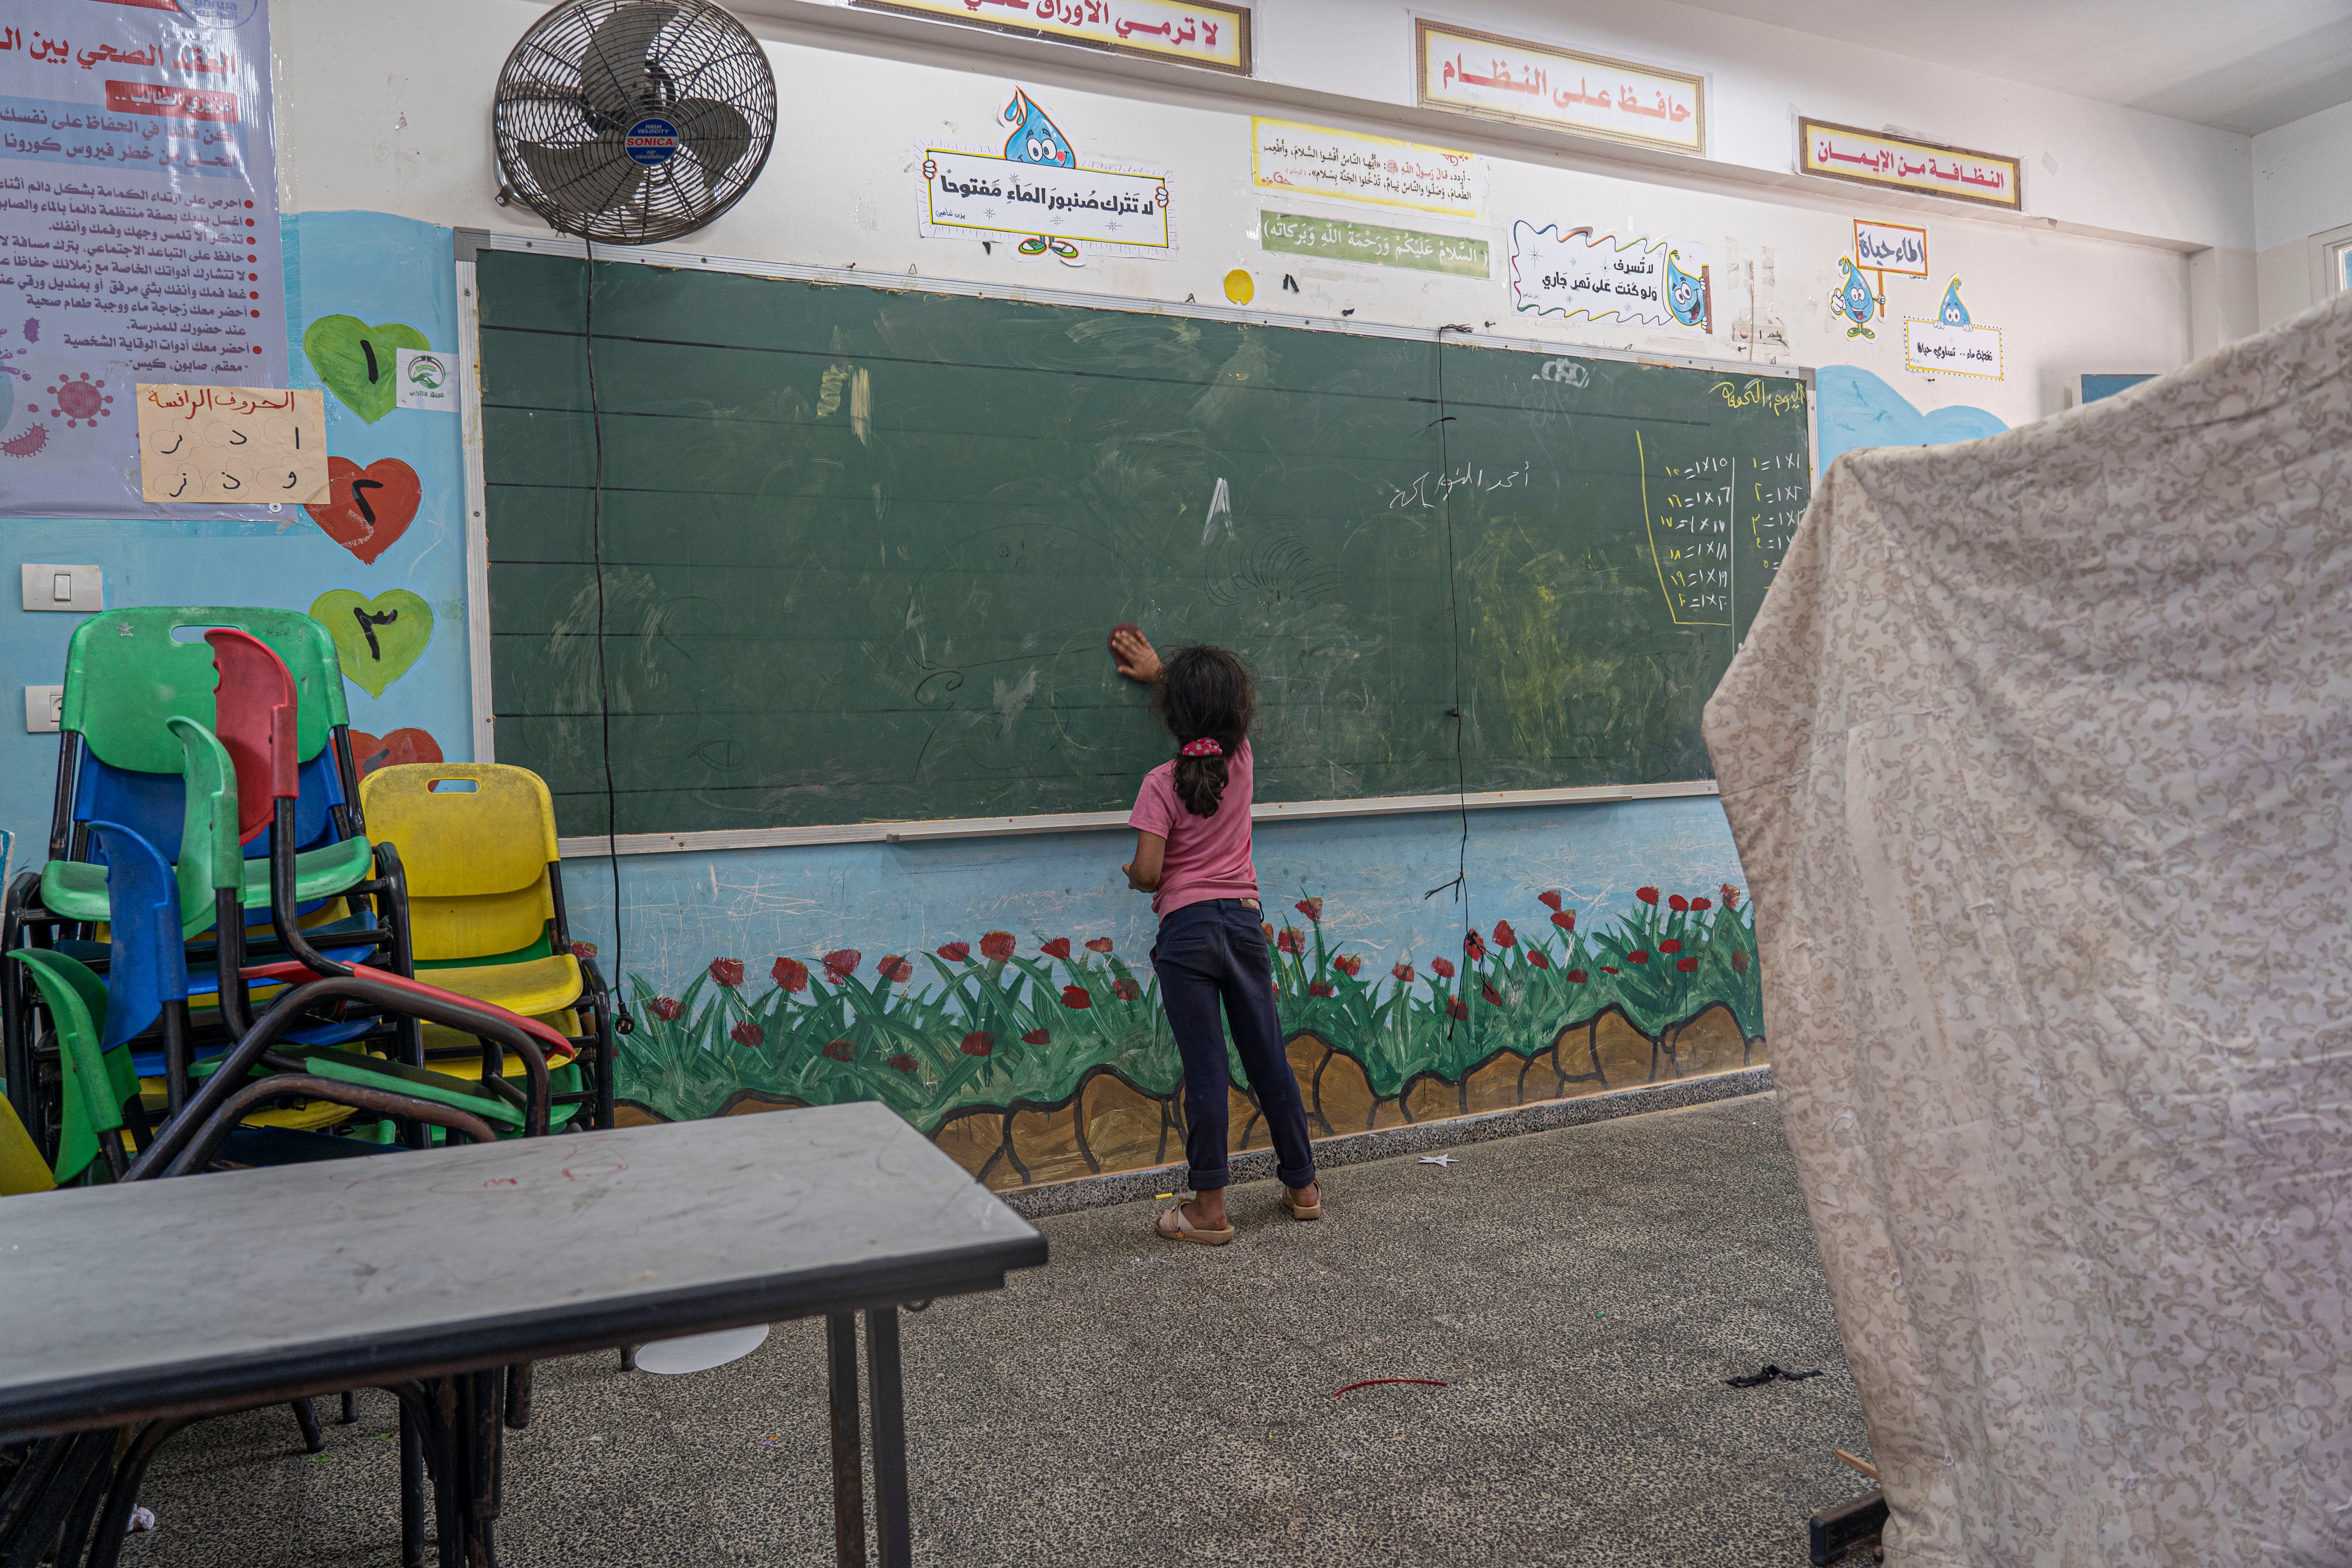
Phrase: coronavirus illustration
(27, 442)
(79, 400)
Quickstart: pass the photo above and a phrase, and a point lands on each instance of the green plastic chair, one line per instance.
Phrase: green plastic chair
(97, 1082)
(210, 857)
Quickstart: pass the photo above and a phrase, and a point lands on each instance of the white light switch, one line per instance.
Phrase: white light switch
(44, 709)
(76, 588)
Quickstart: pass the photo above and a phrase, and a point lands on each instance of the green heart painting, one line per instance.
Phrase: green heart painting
(378, 639)
(357, 360)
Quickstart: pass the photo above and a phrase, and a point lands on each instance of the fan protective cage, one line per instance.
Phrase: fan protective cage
(633, 121)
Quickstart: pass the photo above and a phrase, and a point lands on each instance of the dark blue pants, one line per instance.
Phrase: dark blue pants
(1207, 953)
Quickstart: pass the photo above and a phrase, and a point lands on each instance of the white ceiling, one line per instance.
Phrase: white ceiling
(2247, 66)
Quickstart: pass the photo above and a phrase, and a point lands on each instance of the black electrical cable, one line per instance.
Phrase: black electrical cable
(622, 1022)
(1461, 882)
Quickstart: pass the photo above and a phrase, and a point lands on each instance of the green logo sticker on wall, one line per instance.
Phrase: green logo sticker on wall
(378, 639)
(359, 364)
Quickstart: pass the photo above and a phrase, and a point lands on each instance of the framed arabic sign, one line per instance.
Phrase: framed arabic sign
(1898, 164)
(1208, 34)
(1497, 78)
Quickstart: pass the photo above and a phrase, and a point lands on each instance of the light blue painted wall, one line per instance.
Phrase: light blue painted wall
(371, 265)
(1854, 408)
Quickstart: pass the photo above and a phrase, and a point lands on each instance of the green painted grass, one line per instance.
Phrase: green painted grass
(985, 1024)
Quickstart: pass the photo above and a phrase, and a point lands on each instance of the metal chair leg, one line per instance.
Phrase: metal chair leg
(114, 1522)
(306, 1415)
(412, 1489)
(351, 1408)
(890, 1438)
(848, 1467)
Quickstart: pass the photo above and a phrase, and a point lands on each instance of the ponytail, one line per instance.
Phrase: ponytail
(1207, 698)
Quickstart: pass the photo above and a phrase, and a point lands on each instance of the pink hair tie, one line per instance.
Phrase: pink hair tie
(1206, 746)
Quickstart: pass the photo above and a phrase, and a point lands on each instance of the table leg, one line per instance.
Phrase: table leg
(114, 1520)
(848, 1467)
(412, 1490)
(890, 1438)
(480, 1398)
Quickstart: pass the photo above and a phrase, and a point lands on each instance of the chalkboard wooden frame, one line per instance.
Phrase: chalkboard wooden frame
(470, 242)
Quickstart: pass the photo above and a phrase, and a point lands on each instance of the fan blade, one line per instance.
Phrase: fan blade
(714, 132)
(534, 121)
(585, 176)
(613, 71)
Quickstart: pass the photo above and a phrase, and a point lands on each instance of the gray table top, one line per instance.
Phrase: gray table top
(231, 1289)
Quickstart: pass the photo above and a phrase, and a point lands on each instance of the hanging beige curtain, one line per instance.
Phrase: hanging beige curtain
(2039, 758)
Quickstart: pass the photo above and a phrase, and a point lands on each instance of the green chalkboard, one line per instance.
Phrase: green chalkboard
(861, 547)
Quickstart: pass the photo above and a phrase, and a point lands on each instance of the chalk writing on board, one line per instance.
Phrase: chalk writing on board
(1687, 506)
(1430, 490)
(1776, 498)
(1566, 372)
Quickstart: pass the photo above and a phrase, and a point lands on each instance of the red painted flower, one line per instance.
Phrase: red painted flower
(1494, 998)
(1348, 964)
(895, 968)
(748, 1035)
(1311, 907)
(841, 963)
(1606, 970)
(665, 1008)
(790, 973)
(1456, 1008)
(1099, 945)
(979, 1043)
(956, 952)
(1504, 935)
(1035, 1038)
(841, 1050)
(584, 950)
(1318, 988)
(1730, 897)
(996, 944)
(1700, 906)
(1739, 963)
(1671, 944)
(1565, 919)
(904, 1064)
(1077, 996)
(1444, 968)
(1578, 977)
(1403, 972)
(726, 971)
(1549, 899)
(1637, 956)
(1535, 956)
(1687, 965)
(1127, 990)
(1291, 939)
(1647, 895)
(1678, 903)
(1057, 948)
(1472, 948)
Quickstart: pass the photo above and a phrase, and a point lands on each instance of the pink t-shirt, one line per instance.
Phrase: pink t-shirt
(1208, 857)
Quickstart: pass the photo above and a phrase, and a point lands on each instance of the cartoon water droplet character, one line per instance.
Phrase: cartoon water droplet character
(1951, 312)
(1854, 301)
(1686, 296)
(1036, 138)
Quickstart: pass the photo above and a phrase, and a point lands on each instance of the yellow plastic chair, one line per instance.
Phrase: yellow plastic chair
(485, 911)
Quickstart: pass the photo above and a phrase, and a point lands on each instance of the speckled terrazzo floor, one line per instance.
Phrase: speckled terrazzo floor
(1582, 1291)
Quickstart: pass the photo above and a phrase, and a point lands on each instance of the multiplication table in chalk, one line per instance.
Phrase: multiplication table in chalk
(244, 445)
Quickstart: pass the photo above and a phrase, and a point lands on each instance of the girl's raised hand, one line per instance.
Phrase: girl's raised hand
(1137, 659)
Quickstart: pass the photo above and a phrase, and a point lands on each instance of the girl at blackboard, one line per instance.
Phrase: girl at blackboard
(1192, 856)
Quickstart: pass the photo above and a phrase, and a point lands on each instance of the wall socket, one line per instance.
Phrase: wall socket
(44, 710)
(79, 589)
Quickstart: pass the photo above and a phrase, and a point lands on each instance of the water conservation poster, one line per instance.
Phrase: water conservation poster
(138, 236)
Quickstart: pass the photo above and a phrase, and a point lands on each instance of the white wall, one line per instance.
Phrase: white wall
(841, 189)
(2302, 187)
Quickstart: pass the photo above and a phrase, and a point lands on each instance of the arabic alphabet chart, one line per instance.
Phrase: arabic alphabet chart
(138, 236)
(1317, 161)
(231, 445)
(1038, 191)
(1640, 281)
(1190, 31)
(1372, 245)
(1508, 79)
(1843, 152)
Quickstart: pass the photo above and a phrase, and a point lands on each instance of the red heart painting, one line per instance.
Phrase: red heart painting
(367, 508)
(407, 745)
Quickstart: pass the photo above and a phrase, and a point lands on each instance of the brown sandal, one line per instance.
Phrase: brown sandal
(1187, 1231)
(1304, 1211)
